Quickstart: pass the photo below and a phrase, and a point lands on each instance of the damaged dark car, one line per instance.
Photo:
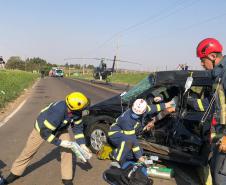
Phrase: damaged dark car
(180, 136)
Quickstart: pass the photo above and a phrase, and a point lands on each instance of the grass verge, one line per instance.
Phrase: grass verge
(13, 83)
(127, 78)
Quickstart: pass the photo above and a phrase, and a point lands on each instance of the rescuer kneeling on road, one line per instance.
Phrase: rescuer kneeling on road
(123, 133)
(52, 126)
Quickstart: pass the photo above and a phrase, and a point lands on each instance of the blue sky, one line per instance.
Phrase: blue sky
(158, 34)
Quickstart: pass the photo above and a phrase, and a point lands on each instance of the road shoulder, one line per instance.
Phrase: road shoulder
(18, 102)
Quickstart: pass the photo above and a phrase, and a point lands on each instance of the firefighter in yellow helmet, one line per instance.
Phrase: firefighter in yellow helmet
(52, 126)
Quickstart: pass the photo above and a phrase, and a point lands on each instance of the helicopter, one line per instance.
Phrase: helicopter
(101, 72)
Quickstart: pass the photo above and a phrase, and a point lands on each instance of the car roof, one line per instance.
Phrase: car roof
(200, 78)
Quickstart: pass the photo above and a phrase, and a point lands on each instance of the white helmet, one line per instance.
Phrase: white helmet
(139, 106)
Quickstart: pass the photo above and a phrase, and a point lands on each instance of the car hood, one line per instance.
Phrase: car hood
(111, 105)
(202, 78)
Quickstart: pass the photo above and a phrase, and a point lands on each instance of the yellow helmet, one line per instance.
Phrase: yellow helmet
(77, 101)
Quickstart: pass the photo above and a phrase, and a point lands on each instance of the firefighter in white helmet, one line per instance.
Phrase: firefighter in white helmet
(123, 133)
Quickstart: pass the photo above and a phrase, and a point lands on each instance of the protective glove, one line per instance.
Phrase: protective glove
(222, 146)
(169, 110)
(66, 144)
(175, 101)
(142, 159)
(158, 99)
(86, 149)
(150, 125)
(172, 103)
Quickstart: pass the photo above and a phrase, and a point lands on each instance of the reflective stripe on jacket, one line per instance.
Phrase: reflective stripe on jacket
(55, 118)
(198, 104)
(218, 72)
(127, 125)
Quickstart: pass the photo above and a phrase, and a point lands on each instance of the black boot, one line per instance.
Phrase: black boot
(2, 181)
(11, 178)
(67, 182)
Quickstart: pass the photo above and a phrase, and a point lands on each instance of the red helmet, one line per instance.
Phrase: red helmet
(207, 46)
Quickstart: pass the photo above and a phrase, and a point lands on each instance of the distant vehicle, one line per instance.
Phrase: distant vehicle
(56, 72)
(179, 137)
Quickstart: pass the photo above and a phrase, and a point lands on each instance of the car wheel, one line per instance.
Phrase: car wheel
(98, 136)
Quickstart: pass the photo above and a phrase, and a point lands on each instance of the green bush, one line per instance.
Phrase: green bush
(12, 84)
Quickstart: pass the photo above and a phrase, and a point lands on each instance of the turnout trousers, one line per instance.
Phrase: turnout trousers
(33, 144)
(218, 167)
(123, 147)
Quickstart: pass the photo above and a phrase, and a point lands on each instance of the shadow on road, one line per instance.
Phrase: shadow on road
(2, 164)
(84, 166)
(54, 154)
(185, 174)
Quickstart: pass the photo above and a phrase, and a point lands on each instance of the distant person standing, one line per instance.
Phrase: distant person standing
(2, 63)
(186, 67)
(42, 73)
(209, 51)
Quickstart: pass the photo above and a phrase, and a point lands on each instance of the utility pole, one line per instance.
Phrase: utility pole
(69, 72)
(117, 53)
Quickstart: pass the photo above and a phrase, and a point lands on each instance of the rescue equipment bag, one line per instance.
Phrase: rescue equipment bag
(131, 175)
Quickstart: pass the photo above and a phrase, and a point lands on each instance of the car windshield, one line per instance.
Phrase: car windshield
(59, 71)
(141, 87)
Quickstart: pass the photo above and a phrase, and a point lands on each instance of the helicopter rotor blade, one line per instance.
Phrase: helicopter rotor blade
(80, 58)
(95, 58)
(124, 61)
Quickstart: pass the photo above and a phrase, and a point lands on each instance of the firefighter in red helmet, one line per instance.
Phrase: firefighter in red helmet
(209, 51)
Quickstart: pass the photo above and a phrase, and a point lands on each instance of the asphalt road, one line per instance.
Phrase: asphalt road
(45, 166)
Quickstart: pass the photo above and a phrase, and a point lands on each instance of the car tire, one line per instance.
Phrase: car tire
(97, 136)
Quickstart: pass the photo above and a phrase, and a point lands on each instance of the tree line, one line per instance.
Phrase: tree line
(37, 64)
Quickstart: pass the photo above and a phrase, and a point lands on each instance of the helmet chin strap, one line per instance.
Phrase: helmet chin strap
(213, 61)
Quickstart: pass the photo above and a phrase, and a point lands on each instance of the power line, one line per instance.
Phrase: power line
(151, 18)
(205, 21)
(95, 58)
(197, 24)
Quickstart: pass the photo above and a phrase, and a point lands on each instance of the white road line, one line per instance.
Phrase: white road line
(12, 114)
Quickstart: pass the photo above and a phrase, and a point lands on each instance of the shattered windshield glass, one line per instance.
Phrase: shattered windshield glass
(141, 87)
